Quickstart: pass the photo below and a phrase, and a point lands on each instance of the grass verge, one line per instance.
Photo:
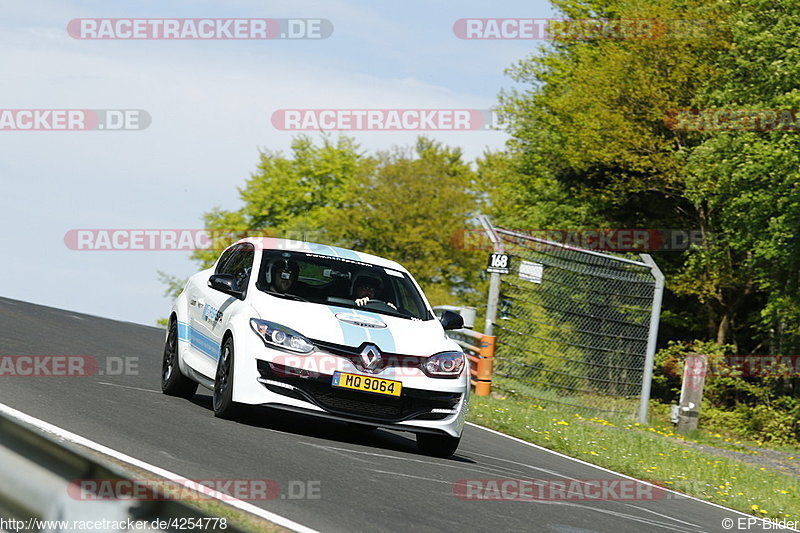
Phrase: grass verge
(653, 454)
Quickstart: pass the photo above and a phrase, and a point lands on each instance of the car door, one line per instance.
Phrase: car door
(213, 308)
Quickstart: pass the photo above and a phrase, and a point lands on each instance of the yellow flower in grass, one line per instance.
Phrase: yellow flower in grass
(754, 507)
(762, 511)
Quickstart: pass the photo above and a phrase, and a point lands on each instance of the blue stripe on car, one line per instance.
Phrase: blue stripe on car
(381, 336)
(183, 332)
(352, 335)
(334, 251)
(322, 249)
(204, 344)
(346, 254)
(355, 335)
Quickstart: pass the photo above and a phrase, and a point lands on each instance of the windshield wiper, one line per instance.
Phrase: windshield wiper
(287, 296)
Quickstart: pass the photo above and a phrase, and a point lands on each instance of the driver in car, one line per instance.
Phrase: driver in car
(283, 275)
(364, 290)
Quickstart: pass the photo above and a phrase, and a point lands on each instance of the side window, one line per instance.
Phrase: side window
(239, 264)
(226, 255)
(407, 300)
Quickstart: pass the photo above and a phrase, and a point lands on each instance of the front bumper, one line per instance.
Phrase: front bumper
(416, 404)
(426, 405)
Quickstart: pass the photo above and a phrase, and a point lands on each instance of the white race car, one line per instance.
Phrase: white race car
(320, 330)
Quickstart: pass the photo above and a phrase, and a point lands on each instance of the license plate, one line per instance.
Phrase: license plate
(366, 383)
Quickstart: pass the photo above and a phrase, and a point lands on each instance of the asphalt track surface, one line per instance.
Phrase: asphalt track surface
(368, 481)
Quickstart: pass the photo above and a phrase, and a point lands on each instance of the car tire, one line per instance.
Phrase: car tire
(437, 445)
(173, 382)
(224, 406)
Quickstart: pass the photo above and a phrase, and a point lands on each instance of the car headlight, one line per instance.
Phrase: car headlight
(444, 365)
(280, 336)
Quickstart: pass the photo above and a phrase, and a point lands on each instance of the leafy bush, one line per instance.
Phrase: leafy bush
(749, 407)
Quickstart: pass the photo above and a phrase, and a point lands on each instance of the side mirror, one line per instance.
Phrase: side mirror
(225, 283)
(451, 320)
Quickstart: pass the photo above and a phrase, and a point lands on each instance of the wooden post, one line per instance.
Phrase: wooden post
(694, 377)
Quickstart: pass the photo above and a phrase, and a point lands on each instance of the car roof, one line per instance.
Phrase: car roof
(273, 243)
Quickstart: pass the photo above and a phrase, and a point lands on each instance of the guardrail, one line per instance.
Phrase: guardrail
(479, 349)
(37, 484)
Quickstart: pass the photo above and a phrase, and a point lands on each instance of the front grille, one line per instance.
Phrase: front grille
(412, 403)
(388, 360)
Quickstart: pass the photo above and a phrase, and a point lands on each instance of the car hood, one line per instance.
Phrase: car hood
(353, 327)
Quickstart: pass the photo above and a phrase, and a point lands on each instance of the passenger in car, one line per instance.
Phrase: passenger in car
(283, 276)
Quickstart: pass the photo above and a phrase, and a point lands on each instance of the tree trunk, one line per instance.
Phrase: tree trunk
(724, 328)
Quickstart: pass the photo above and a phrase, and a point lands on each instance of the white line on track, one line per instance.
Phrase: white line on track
(127, 387)
(181, 480)
(472, 468)
(446, 482)
(639, 507)
(545, 470)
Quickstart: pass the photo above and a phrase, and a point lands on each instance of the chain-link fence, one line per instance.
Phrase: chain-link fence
(575, 327)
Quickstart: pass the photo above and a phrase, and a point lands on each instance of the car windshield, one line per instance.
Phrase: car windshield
(340, 282)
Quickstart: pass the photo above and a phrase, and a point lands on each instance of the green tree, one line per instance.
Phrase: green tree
(289, 193)
(590, 146)
(746, 185)
(410, 208)
(404, 204)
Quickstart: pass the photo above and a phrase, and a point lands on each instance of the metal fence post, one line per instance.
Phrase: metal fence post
(491, 304)
(652, 337)
(494, 278)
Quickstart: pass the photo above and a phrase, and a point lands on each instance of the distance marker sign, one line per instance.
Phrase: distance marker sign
(499, 263)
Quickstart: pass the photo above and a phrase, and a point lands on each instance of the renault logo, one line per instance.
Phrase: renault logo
(371, 357)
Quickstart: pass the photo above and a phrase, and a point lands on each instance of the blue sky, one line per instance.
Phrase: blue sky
(210, 103)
